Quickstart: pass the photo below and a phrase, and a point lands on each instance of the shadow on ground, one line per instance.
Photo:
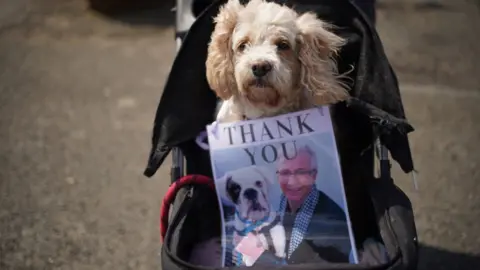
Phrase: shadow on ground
(423, 5)
(432, 258)
(144, 12)
(137, 13)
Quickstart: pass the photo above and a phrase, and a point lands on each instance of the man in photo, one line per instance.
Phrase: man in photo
(316, 227)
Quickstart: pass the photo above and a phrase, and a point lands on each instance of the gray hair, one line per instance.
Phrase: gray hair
(297, 149)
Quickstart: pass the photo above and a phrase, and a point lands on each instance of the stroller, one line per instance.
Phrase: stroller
(373, 120)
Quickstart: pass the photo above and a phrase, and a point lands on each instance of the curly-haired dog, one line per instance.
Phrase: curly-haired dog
(265, 59)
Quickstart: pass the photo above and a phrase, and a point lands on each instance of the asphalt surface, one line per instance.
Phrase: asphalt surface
(78, 93)
(434, 51)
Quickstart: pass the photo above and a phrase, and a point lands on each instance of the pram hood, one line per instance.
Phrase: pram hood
(187, 104)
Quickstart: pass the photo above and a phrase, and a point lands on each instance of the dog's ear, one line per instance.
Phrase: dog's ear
(219, 64)
(317, 47)
(233, 190)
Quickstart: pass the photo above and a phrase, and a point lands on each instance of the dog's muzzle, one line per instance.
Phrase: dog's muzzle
(252, 196)
(261, 69)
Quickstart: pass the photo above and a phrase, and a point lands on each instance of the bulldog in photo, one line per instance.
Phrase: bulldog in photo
(247, 188)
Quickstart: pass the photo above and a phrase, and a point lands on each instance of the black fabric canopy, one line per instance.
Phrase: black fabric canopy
(187, 104)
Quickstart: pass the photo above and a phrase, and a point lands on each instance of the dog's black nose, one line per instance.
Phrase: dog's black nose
(250, 194)
(261, 69)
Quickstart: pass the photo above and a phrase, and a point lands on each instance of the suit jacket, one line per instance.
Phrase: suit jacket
(327, 238)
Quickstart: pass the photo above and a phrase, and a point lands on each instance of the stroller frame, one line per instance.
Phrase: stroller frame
(375, 106)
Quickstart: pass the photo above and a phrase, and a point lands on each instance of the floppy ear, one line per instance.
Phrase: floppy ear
(222, 186)
(233, 196)
(319, 71)
(219, 64)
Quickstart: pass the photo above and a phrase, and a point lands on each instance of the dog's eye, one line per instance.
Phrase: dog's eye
(241, 47)
(283, 45)
(258, 184)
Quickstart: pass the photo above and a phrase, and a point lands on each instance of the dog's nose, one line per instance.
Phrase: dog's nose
(261, 69)
(250, 194)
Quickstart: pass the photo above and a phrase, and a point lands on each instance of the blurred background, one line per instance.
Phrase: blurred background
(79, 86)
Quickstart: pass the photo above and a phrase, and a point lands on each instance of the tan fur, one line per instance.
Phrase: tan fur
(303, 73)
(220, 73)
(318, 68)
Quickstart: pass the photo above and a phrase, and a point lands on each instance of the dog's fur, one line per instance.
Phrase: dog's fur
(247, 188)
(297, 49)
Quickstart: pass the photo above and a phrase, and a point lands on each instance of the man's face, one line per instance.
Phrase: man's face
(296, 177)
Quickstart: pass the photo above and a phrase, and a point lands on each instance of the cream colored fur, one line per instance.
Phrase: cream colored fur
(299, 48)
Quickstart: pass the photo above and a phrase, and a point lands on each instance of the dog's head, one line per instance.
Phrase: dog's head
(247, 188)
(268, 54)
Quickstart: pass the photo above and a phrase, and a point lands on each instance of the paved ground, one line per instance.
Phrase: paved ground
(78, 92)
(434, 51)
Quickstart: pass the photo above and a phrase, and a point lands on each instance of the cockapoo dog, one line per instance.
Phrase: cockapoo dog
(264, 59)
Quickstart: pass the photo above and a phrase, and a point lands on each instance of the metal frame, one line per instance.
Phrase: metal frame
(184, 19)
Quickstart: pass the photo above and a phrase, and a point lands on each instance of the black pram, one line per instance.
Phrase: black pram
(372, 123)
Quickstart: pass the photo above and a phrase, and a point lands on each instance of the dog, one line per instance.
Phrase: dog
(265, 59)
(247, 188)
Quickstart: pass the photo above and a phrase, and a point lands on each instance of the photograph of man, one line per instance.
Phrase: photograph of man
(316, 226)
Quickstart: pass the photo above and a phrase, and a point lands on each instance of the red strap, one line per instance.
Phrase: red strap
(172, 192)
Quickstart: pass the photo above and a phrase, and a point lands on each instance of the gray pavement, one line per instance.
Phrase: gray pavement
(434, 50)
(78, 93)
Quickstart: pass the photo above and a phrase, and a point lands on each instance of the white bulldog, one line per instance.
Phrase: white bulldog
(247, 188)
